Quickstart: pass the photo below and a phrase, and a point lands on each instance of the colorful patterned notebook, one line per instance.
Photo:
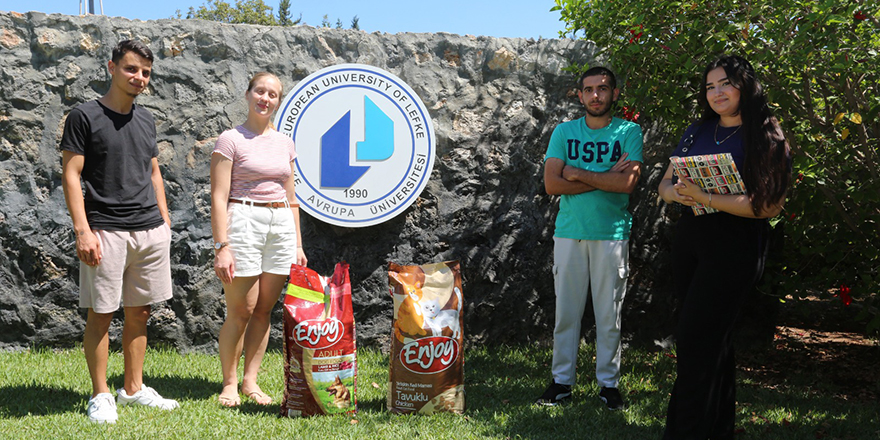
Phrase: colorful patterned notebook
(714, 173)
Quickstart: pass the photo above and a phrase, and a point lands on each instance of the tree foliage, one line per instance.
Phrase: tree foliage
(244, 11)
(818, 62)
(253, 12)
(284, 14)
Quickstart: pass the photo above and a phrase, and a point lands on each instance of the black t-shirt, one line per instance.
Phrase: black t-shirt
(118, 152)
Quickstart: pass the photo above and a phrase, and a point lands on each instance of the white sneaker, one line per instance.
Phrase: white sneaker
(147, 397)
(102, 409)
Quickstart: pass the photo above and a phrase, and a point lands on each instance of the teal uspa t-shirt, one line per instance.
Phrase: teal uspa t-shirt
(594, 215)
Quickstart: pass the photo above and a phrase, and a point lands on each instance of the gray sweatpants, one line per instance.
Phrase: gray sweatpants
(576, 265)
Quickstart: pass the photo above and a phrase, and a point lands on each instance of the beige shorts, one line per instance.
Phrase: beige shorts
(262, 239)
(135, 270)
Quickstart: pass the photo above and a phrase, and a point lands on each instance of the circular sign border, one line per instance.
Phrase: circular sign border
(430, 150)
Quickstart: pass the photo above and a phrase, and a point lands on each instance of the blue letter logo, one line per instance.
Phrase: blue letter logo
(378, 145)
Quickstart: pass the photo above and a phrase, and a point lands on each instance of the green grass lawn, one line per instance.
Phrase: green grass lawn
(43, 395)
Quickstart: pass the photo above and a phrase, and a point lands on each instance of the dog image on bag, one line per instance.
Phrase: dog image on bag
(320, 354)
(427, 363)
(340, 393)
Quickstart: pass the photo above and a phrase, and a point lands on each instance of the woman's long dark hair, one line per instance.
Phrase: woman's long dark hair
(767, 173)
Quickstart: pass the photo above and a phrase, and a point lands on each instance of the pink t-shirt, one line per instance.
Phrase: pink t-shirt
(260, 163)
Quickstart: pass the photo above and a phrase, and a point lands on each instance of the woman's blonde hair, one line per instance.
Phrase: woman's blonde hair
(260, 75)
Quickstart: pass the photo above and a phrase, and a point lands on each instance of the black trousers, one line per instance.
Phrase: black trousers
(717, 258)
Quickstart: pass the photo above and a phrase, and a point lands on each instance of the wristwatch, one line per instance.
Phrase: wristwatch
(220, 244)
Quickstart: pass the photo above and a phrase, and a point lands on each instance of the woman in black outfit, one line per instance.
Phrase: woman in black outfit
(718, 257)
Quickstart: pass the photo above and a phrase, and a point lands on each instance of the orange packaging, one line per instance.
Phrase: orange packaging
(320, 352)
(427, 362)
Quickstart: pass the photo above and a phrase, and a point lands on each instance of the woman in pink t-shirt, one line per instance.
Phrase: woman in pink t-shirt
(255, 222)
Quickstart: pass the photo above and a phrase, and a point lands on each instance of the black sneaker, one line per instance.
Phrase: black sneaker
(612, 398)
(555, 394)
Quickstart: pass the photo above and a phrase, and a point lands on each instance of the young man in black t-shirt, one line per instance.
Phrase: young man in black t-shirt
(122, 227)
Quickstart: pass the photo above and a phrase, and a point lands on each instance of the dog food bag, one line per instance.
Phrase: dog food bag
(427, 363)
(320, 355)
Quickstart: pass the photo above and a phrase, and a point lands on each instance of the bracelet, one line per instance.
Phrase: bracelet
(710, 200)
(294, 205)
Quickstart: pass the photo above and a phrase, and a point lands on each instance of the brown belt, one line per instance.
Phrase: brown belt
(261, 204)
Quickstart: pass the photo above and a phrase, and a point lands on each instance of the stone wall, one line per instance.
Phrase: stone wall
(494, 103)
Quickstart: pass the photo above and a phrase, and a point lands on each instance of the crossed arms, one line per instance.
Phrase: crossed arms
(560, 178)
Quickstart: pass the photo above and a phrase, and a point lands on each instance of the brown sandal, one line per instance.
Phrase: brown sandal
(260, 398)
(229, 402)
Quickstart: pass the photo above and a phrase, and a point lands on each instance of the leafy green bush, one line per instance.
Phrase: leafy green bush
(818, 62)
(244, 11)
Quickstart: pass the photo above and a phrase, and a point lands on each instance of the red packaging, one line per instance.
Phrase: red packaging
(320, 352)
(427, 362)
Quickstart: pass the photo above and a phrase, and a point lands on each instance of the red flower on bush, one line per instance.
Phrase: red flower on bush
(636, 36)
(859, 16)
(630, 115)
(844, 295)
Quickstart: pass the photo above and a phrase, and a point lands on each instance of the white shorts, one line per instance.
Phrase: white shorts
(261, 239)
(135, 270)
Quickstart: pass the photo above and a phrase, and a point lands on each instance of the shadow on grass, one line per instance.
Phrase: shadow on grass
(802, 413)
(174, 387)
(39, 400)
(782, 395)
(250, 407)
(376, 405)
(504, 382)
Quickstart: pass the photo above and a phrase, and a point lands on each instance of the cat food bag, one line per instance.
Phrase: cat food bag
(427, 363)
(320, 355)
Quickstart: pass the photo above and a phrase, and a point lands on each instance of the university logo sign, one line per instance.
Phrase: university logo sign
(365, 144)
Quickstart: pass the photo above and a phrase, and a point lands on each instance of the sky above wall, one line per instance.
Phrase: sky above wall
(496, 18)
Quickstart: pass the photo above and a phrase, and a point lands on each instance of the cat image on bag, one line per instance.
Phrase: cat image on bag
(436, 318)
(410, 319)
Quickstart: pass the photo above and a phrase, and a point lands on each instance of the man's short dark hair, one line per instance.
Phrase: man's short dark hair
(135, 46)
(598, 70)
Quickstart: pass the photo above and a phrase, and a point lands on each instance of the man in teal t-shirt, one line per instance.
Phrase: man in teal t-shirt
(594, 164)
